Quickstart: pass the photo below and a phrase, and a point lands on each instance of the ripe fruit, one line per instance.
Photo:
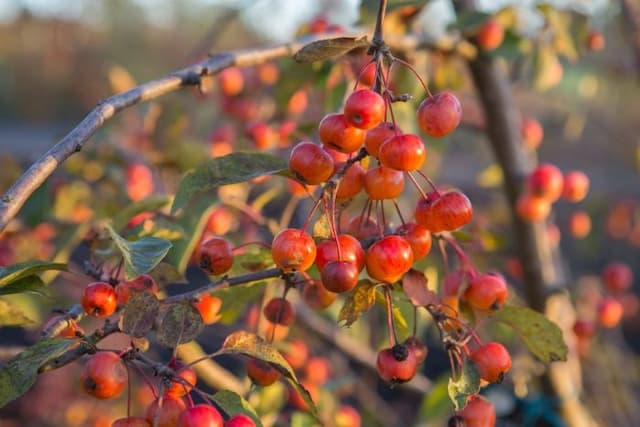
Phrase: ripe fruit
(350, 249)
(131, 422)
(610, 312)
(364, 109)
(201, 416)
(139, 181)
(339, 276)
(531, 132)
(397, 364)
(272, 332)
(576, 186)
(216, 255)
(595, 41)
(262, 135)
(293, 249)
(183, 383)
(389, 258)
(584, 328)
(231, 81)
(316, 296)
(362, 228)
(347, 416)
(579, 224)
(318, 370)
(490, 34)
(335, 132)
(533, 208)
(403, 152)
(104, 375)
(418, 237)
(617, 277)
(268, 73)
(170, 411)
(99, 299)
(479, 412)
(144, 282)
(378, 135)
(240, 420)
(209, 308)
(261, 373)
(486, 292)
(310, 163)
(351, 182)
(279, 311)
(419, 349)
(298, 102)
(444, 212)
(546, 181)
(220, 221)
(383, 183)
(296, 352)
(493, 361)
(440, 114)
(296, 400)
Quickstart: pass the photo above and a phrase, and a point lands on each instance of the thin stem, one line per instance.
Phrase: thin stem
(415, 183)
(391, 327)
(429, 181)
(413, 70)
(395, 204)
(377, 34)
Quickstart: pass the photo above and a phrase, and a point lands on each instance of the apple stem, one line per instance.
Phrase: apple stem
(393, 338)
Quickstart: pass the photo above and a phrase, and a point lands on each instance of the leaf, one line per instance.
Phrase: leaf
(321, 228)
(469, 21)
(149, 204)
(181, 323)
(255, 258)
(140, 314)
(32, 284)
(436, 403)
(321, 50)
(465, 386)
(142, 255)
(416, 287)
(359, 300)
(229, 169)
(233, 404)
(302, 419)
(249, 344)
(165, 274)
(20, 373)
(11, 315)
(27, 268)
(162, 227)
(542, 336)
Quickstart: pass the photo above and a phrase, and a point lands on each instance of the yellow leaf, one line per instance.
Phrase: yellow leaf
(490, 177)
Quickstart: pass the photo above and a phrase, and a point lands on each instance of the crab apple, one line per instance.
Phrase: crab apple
(350, 249)
(397, 364)
(317, 370)
(576, 186)
(170, 409)
(216, 255)
(296, 353)
(378, 135)
(403, 152)
(584, 328)
(418, 237)
(262, 135)
(240, 420)
(382, 183)
(617, 277)
(595, 41)
(273, 332)
(579, 224)
(389, 258)
(531, 132)
(479, 412)
(339, 276)
(316, 296)
(99, 299)
(347, 416)
(279, 311)
(351, 182)
(298, 102)
(125, 290)
(486, 292)
(335, 132)
(493, 361)
(362, 228)
(201, 416)
(293, 249)
(533, 208)
(310, 163)
(490, 34)
(444, 212)
(104, 375)
(139, 181)
(268, 73)
(209, 308)
(231, 81)
(546, 181)
(440, 114)
(364, 109)
(419, 349)
(131, 422)
(70, 331)
(183, 382)
(221, 221)
(610, 312)
(261, 373)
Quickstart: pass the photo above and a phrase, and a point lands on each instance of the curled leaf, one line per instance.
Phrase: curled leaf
(416, 287)
(361, 299)
(321, 50)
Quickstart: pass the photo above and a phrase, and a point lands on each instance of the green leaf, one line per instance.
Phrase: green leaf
(11, 315)
(20, 373)
(255, 258)
(140, 314)
(18, 271)
(249, 344)
(361, 299)
(181, 323)
(229, 169)
(142, 255)
(32, 284)
(233, 404)
(436, 403)
(542, 336)
(321, 50)
(465, 386)
(162, 227)
(165, 274)
(302, 419)
(152, 203)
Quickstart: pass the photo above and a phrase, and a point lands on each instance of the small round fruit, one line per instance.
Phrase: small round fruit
(261, 373)
(201, 416)
(579, 224)
(610, 312)
(293, 250)
(310, 163)
(389, 258)
(595, 41)
(339, 276)
(183, 383)
(318, 370)
(99, 299)
(351, 182)
(546, 181)
(170, 409)
(444, 212)
(576, 186)
(335, 132)
(397, 364)
(383, 183)
(364, 109)
(350, 249)
(479, 412)
(490, 34)
(316, 296)
(584, 328)
(617, 277)
(104, 375)
(296, 352)
(531, 132)
(279, 311)
(231, 81)
(362, 227)
(209, 308)
(418, 237)
(440, 114)
(493, 361)
(139, 181)
(216, 256)
(378, 135)
(262, 135)
(418, 348)
(131, 422)
(240, 420)
(533, 208)
(403, 152)
(347, 416)
(486, 292)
